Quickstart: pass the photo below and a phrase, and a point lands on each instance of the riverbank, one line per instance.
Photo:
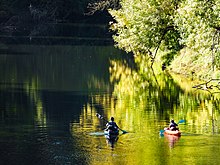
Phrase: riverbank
(194, 65)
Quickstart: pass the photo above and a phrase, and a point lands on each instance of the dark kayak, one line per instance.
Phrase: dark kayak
(111, 137)
(110, 132)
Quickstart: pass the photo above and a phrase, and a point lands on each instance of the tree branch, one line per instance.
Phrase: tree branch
(162, 38)
(102, 5)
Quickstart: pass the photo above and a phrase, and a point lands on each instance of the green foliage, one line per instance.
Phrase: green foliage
(168, 57)
(193, 23)
(102, 5)
(217, 60)
(198, 23)
(141, 26)
(144, 26)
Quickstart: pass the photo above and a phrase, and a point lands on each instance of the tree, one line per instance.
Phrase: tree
(102, 6)
(199, 24)
(142, 26)
(146, 26)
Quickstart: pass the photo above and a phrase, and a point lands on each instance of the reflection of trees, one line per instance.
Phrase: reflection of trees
(62, 68)
(103, 104)
(35, 80)
(76, 68)
(200, 107)
(163, 96)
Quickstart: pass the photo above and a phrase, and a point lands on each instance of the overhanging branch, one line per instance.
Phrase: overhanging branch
(159, 43)
(102, 5)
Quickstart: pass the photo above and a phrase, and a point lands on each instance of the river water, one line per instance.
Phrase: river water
(51, 90)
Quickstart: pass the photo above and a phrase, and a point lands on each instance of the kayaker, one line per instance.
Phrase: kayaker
(173, 126)
(111, 125)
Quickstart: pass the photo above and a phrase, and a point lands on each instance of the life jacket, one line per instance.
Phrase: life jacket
(112, 126)
(173, 126)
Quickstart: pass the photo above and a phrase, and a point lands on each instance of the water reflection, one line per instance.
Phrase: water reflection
(43, 92)
(49, 97)
(163, 96)
(111, 140)
(171, 139)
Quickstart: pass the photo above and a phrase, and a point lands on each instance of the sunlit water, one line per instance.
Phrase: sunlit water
(50, 95)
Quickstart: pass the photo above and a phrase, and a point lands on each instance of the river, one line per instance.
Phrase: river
(52, 87)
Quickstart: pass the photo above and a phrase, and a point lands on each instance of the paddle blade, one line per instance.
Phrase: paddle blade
(99, 116)
(97, 133)
(162, 131)
(181, 121)
(123, 131)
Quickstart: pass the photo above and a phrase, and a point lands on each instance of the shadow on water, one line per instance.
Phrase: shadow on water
(44, 90)
(36, 130)
(61, 34)
(50, 94)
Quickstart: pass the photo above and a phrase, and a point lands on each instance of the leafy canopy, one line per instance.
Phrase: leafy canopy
(146, 26)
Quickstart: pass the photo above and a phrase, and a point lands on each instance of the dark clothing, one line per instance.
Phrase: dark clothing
(173, 126)
(112, 126)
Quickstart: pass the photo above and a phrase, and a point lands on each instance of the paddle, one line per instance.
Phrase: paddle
(101, 117)
(179, 122)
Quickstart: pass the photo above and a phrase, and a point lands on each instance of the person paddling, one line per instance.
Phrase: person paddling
(112, 126)
(173, 126)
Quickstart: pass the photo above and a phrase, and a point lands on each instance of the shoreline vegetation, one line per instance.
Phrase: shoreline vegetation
(184, 36)
(181, 36)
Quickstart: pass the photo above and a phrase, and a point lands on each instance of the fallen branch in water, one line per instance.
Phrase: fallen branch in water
(211, 84)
